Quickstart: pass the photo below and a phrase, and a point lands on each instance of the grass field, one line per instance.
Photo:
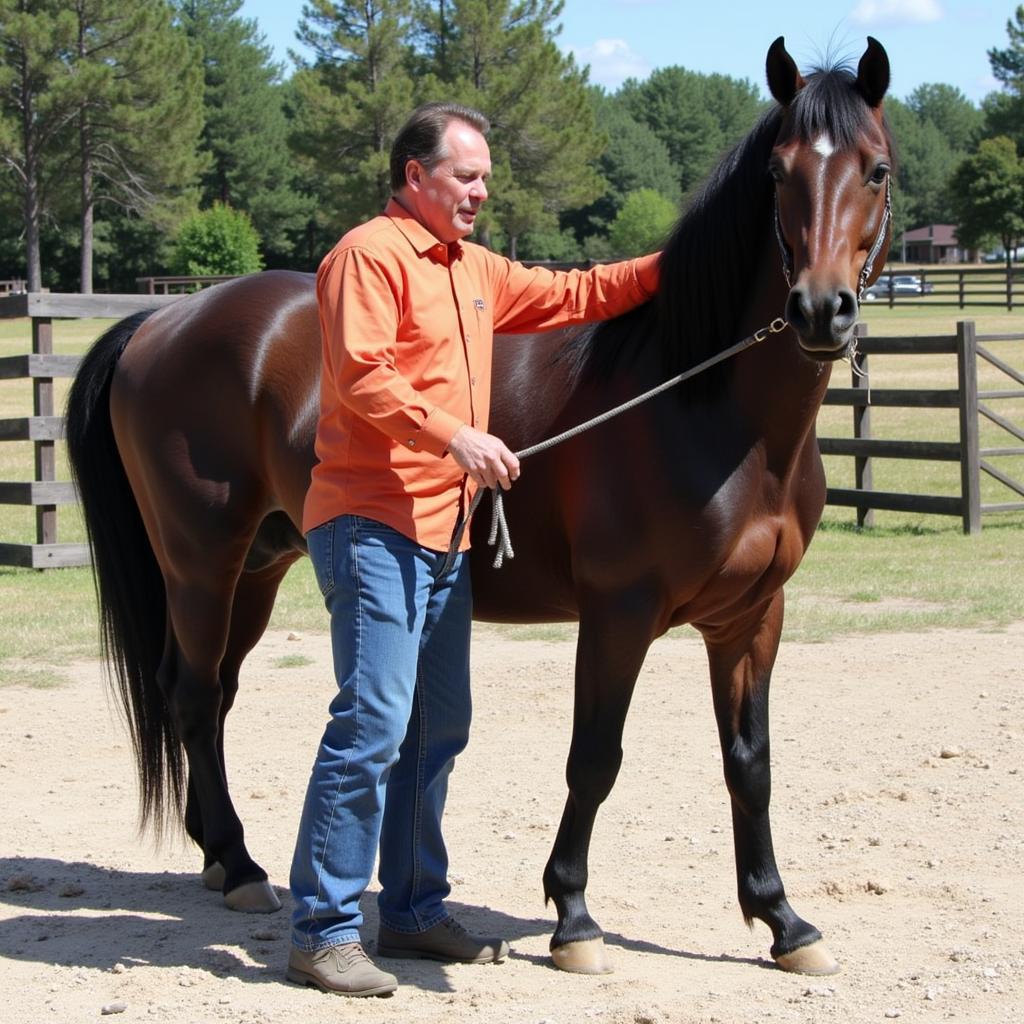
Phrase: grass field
(908, 572)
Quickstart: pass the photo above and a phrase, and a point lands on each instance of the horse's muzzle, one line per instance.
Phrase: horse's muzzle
(823, 321)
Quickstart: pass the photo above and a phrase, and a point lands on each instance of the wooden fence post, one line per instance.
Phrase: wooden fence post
(862, 430)
(46, 451)
(970, 458)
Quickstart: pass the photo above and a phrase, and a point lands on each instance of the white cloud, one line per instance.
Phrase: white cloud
(611, 61)
(896, 12)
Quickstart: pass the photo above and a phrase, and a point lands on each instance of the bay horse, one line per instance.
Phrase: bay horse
(191, 430)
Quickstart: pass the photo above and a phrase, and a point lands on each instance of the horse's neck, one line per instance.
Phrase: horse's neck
(777, 388)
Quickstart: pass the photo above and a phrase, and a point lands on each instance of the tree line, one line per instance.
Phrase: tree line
(150, 136)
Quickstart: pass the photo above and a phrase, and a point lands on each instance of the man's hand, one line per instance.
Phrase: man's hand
(484, 457)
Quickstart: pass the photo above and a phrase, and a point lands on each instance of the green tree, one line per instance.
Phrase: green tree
(500, 56)
(350, 101)
(137, 127)
(1004, 111)
(926, 162)
(1008, 64)
(642, 224)
(219, 240)
(245, 130)
(696, 116)
(37, 109)
(952, 113)
(987, 195)
(1004, 115)
(634, 158)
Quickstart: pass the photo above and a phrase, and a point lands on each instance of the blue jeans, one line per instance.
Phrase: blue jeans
(400, 630)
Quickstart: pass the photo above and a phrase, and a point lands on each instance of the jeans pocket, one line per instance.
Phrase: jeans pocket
(320, 542)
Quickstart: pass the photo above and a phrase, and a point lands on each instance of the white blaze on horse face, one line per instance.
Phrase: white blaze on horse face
(823, 145)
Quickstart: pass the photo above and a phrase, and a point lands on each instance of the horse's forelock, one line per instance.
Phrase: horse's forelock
(831, 104)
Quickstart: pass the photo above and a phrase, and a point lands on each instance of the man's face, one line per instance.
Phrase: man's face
(447, 198)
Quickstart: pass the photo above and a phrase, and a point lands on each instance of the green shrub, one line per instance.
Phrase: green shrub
(642, 224)
(220, 240)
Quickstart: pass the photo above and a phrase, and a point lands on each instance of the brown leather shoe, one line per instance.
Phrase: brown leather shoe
(345, 969)
(447, 941)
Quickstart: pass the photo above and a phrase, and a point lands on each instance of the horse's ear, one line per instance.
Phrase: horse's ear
(784, 78)
(873, 73)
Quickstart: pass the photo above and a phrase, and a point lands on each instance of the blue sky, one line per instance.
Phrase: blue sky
(927, 40)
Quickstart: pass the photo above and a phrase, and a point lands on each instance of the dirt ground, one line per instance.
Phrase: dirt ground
(897, 811)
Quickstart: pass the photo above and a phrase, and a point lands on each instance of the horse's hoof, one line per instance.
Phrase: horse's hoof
(812, 959)
(253, 898)
(213, 876)
(586, 957)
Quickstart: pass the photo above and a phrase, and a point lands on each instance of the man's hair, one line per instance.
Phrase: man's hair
(421, 138)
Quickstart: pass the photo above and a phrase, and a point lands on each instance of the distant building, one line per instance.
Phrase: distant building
(935, 243)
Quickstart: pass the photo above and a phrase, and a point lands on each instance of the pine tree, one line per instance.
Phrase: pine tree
(37, 110)
(351, 100)
(1004, 111)
(137, 126)
(500, 57)
(698, 117)
(245, 130)
(634, 158)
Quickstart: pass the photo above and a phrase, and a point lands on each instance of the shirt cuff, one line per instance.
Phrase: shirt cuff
(437, 431)
(648, 273)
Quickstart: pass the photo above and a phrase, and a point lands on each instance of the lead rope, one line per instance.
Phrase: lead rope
(499, 535)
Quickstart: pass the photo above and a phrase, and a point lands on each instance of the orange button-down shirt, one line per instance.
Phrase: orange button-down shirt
(407, 324)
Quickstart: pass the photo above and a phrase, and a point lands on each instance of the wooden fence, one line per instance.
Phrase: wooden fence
(45, 428)
(960, 286)
(180, 284)
(971, 404)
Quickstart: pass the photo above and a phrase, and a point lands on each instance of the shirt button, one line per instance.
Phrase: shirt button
(472, 380)
(411, 443)
(468, 338)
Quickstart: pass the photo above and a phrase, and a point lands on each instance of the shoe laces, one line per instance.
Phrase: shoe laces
(349, 954)
(454, 927)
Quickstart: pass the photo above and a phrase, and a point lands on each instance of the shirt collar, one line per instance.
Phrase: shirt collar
(422, 241)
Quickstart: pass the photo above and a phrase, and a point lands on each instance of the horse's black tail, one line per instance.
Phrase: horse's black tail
(129, 587)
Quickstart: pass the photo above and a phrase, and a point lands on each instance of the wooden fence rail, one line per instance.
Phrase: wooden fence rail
(959, 286)
(179, 284)
(966, 398)
(44, 428)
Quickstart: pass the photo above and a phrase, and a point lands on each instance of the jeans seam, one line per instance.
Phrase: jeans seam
(355, 685)
(421, 747)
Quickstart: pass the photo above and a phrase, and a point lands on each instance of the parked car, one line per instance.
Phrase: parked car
(897, 284)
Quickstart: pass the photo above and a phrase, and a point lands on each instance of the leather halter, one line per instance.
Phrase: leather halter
(869, 263)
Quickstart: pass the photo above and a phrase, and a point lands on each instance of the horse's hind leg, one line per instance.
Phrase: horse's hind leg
(613, 641)
(250, 612)
(190, 677)
(741, 663)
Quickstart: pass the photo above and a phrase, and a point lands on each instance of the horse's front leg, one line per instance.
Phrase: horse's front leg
(613, 639)
(741, 659)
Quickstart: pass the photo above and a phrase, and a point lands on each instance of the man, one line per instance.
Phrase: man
(407, 315)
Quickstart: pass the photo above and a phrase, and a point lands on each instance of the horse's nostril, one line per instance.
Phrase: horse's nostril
(846, 309)
(847, 303)
(798, 312)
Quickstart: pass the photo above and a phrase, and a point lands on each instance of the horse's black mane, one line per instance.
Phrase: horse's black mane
(709, 261)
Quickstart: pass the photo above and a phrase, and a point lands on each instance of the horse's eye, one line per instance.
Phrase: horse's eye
(879, 174)
(776, 172)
